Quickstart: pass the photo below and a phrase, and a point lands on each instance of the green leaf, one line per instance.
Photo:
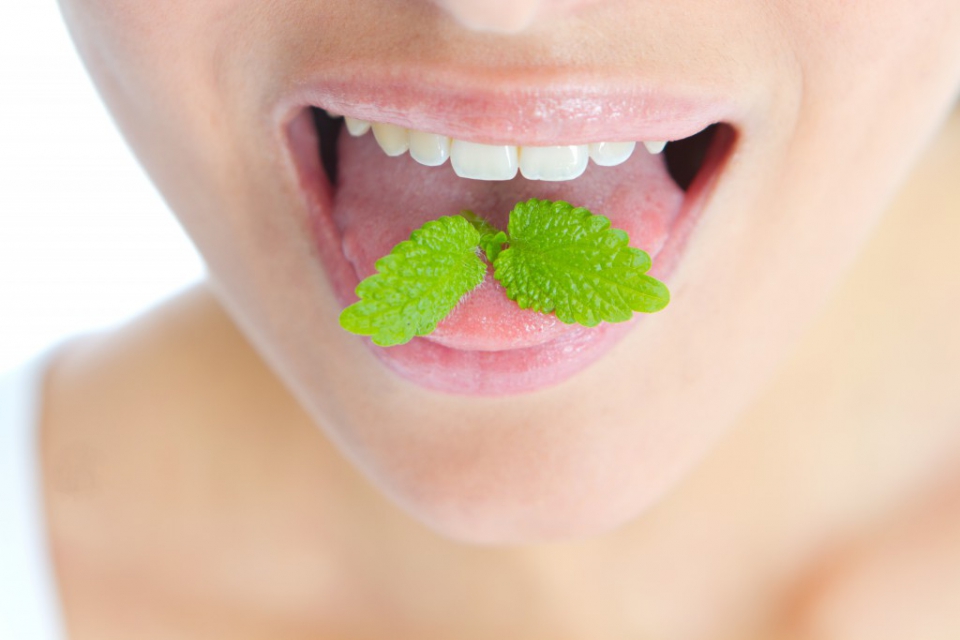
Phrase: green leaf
(418, 283)
(569, 261)
(491, 238)
(492, 244)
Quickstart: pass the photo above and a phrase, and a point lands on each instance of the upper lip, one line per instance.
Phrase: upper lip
(537, 109)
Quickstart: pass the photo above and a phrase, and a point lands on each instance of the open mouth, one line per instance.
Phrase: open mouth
(370, 177)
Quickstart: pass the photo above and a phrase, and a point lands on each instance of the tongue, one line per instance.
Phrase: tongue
(379, 200)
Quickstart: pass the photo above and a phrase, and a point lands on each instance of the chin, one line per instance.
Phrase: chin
(490, 513)
(520, 485)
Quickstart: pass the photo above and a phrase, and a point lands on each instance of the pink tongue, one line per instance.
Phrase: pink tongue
(379, 200)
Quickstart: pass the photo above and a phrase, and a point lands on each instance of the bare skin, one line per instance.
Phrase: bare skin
(190, 497)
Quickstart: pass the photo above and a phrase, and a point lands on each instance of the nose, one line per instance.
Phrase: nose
(503, 16)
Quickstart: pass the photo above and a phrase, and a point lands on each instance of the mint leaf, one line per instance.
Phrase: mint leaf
(560, 259)
(491, 238)
(492, 244)
(418, 283)
(569, 261)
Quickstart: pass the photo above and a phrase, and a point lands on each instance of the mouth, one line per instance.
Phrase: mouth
(370, 174)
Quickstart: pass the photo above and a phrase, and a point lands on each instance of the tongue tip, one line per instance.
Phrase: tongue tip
(487, 320)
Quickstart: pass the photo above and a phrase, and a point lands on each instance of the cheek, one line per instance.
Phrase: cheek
(180, 79)
(147, 43)
(168, 71)
(847, 44)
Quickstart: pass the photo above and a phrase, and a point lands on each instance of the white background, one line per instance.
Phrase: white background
(85, 240)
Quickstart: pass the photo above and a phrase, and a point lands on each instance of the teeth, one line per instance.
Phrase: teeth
(392, 139)
(332, 114)
(610, 154)
(484, 161)
(497, 162)
(554, 163)
(429, 148)
(356, 127)
(655, 147)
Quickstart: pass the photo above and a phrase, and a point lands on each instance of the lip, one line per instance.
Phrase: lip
(540, 109)
(551, 114)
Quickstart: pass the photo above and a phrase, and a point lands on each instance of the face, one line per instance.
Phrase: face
(508, 427)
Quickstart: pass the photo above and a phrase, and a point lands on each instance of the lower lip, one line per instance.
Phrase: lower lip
(483, 372)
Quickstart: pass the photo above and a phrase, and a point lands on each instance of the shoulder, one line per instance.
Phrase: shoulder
(126, 443)
(145, 370)
(903, 581)
(140, 387)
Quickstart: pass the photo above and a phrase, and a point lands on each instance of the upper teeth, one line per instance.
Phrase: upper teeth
(554, 163)
(497, 162)
(356, 127)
